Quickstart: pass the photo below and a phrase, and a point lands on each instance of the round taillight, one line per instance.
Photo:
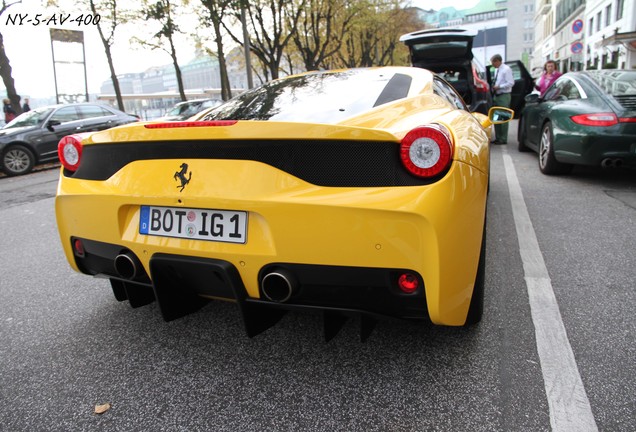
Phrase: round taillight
(427, 151)
(408, 283)
(69, 150)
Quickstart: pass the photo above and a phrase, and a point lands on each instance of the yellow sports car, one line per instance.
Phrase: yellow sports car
(353, 192)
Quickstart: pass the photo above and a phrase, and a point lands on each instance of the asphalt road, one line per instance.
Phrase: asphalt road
(66, 345)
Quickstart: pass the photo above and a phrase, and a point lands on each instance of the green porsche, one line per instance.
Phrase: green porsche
(584, 118)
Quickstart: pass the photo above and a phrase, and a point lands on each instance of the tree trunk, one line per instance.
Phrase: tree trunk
(7, 79)
(109, 57)
(226, 90)
(177, 70)
(113, 77)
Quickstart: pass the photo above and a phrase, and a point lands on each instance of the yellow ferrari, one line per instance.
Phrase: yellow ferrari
(356, 192)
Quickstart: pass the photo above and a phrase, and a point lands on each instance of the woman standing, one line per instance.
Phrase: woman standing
(550, 74)
(9, 112)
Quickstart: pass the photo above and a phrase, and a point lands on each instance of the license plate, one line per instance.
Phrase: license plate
(199, 224)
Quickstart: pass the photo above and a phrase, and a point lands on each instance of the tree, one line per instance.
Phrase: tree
(217, 11)
(109, 13)
(272, 23)
(5, 66)
(320, 28)
(161, 11)
(374, 36)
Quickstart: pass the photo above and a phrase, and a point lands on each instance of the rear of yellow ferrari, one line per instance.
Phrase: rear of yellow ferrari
(311, 217)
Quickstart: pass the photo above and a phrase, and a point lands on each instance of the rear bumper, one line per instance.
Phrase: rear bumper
(344, 244)
(181, 285)
(593, 149)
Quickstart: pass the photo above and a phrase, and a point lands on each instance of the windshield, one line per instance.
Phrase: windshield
(183, 109)
(189, 109)
(316, 97)
(31, 118)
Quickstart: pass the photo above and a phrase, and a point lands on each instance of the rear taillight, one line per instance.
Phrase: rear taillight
(627, 120)
(69, 150)
(427, 151)
(599, 119)
(182, 124)
(481, 86)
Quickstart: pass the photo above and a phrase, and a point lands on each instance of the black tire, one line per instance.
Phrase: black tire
(17, 160)
(547, 162)
(521, 137)
(476, 308)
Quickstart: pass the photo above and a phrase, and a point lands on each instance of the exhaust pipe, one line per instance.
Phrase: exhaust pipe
(611, 163)
(127, 265)
(279, 285)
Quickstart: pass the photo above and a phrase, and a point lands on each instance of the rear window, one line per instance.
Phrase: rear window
(616, 83)
(316, 97)
(440, 50)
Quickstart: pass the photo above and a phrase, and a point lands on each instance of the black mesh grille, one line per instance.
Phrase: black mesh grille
(319, 162)
(627, 101)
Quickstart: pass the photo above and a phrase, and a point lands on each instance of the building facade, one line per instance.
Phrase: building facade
(611, 34)
(580, 34)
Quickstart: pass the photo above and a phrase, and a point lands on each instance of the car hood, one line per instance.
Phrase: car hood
(15, 130)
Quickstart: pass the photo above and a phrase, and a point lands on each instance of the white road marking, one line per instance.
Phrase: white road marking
(570, 409)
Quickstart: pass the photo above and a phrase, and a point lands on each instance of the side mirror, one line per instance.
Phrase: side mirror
(498, 115)
(532, 98)
(51, 123)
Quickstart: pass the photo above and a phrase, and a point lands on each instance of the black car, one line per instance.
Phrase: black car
(448, 53)
(32, 137)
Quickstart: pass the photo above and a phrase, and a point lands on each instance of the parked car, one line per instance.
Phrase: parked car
(32, 137)
(584, 118)
(448, 52)
(185, 110)
(354, 192)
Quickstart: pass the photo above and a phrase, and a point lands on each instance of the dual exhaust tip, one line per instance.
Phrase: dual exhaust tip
(611, 163)
(277, 285)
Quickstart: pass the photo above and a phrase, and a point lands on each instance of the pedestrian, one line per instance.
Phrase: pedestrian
(25, 106)
(550, 74)
(9, 112)
(501, 89)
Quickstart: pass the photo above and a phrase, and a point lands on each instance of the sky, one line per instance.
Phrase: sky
(26, 26)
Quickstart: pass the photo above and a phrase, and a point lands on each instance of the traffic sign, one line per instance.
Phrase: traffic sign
(576, 47)
(577, 26)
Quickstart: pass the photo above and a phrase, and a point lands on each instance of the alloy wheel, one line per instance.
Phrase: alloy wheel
(17, 161)
(544, 147)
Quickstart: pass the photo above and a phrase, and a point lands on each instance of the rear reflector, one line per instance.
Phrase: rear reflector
(408, 283)
(182, 124)
(78, 247)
